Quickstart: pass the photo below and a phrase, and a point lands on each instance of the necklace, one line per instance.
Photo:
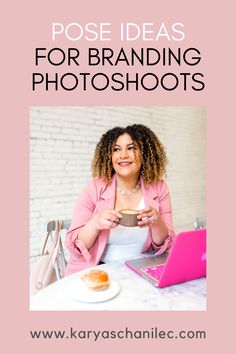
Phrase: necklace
(124, 193)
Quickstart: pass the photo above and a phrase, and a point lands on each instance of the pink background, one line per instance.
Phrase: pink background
(209, 28)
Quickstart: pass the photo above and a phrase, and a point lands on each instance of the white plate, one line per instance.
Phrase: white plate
(80, 292)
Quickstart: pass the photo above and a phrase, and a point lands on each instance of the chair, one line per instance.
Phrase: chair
(199, 223)
(65, 225)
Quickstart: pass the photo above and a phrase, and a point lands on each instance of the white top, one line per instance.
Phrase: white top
(125, 242)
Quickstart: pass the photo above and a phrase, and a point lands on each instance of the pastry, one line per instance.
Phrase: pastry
(96, 279)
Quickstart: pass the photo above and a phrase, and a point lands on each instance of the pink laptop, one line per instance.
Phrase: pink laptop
(186, 261)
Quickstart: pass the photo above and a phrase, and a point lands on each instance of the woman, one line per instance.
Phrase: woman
(128, 167)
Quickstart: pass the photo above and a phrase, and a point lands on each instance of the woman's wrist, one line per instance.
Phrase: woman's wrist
(159, 231)
(95, 223)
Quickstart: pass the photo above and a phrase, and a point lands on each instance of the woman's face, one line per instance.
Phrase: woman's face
(126, 157)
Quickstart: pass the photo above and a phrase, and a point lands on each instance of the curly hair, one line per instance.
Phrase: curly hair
(153, 155)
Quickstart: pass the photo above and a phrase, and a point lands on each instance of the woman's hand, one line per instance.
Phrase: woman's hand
(108, 219)
(152, 218)
(148, 216)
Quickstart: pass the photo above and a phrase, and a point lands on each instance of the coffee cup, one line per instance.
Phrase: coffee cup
(129, 217)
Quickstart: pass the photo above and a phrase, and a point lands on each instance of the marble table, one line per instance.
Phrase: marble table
(136, 294)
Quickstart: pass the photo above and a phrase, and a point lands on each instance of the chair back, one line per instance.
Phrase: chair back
(199, 223)
(65, 224)
(60, 262)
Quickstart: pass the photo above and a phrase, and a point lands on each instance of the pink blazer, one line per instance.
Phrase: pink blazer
(97, 196)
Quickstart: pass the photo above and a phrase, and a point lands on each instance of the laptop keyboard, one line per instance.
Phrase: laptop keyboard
(154, 271)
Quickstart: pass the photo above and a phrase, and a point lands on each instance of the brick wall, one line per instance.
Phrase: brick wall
(62, 141)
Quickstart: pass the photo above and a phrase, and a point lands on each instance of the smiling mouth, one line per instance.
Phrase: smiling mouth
(124, 163)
